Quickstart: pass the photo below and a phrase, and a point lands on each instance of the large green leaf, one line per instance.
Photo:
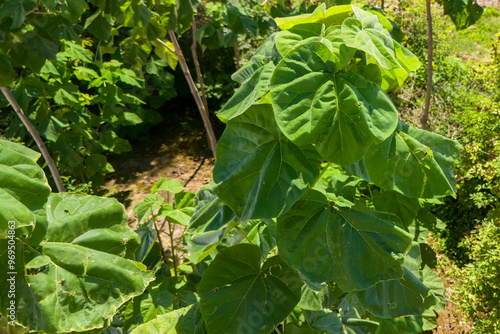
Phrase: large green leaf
(15, 11)
(75, 280)
(405, 208)
(332, 16)
(463, 13)
(343, 323)
(249, 93)
(239, 295)
(414, 162)
(23, 186)
(342, 114)
(71, 10)
(266, 53)
(365, 32)
(260, 173)
(354, 248)
(286, 40)
(402, 297)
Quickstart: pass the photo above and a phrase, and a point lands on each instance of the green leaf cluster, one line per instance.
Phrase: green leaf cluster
(83, 71)
(314, 154)
(71, 256)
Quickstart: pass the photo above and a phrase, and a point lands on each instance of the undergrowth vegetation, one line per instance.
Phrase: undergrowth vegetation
(466, 107)
(279, 242)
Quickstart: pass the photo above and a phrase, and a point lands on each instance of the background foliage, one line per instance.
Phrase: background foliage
(91, 76)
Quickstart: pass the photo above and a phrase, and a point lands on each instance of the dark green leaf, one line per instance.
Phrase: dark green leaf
(259, 173)
(266, 53)
(248, 94)
(340, 113)
(404, 207)
(15, 11)
(402, 297)
(239, 295)
(71, 10)
(208, 225)
(23, 186)
(463, 13)
(99, 26)
(354, 248)
(414, 162)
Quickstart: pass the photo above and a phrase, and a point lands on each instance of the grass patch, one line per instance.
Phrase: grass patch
(473, 42)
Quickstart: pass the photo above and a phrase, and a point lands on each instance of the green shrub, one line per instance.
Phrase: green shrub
(478, 291)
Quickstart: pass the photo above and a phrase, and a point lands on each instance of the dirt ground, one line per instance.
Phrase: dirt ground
(168, 153)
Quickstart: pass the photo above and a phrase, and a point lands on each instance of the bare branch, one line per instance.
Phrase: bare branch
(36, 137)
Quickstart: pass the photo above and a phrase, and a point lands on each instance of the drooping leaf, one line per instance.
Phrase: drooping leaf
(403, 297)
(259, 173)
(249, 93)
(208, 225)
(354, 248)
(414, 162)
(463, 13)
(238, 294)
(23, 186)
(75, 280)
(341, 114)
(266, 53)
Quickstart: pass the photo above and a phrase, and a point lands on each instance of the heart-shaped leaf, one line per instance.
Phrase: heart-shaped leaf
(342, 114)
(259, 173)
(76, 278)
(23, 186)
(249, 93)
(403, 297)
(414, 162)
(239, 295)
(354, 248)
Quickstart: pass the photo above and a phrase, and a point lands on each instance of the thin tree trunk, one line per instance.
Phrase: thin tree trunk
(194, 91)
(237, 56)
(425, 114)
(197, 66)
(36, 137)
(382, 5)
